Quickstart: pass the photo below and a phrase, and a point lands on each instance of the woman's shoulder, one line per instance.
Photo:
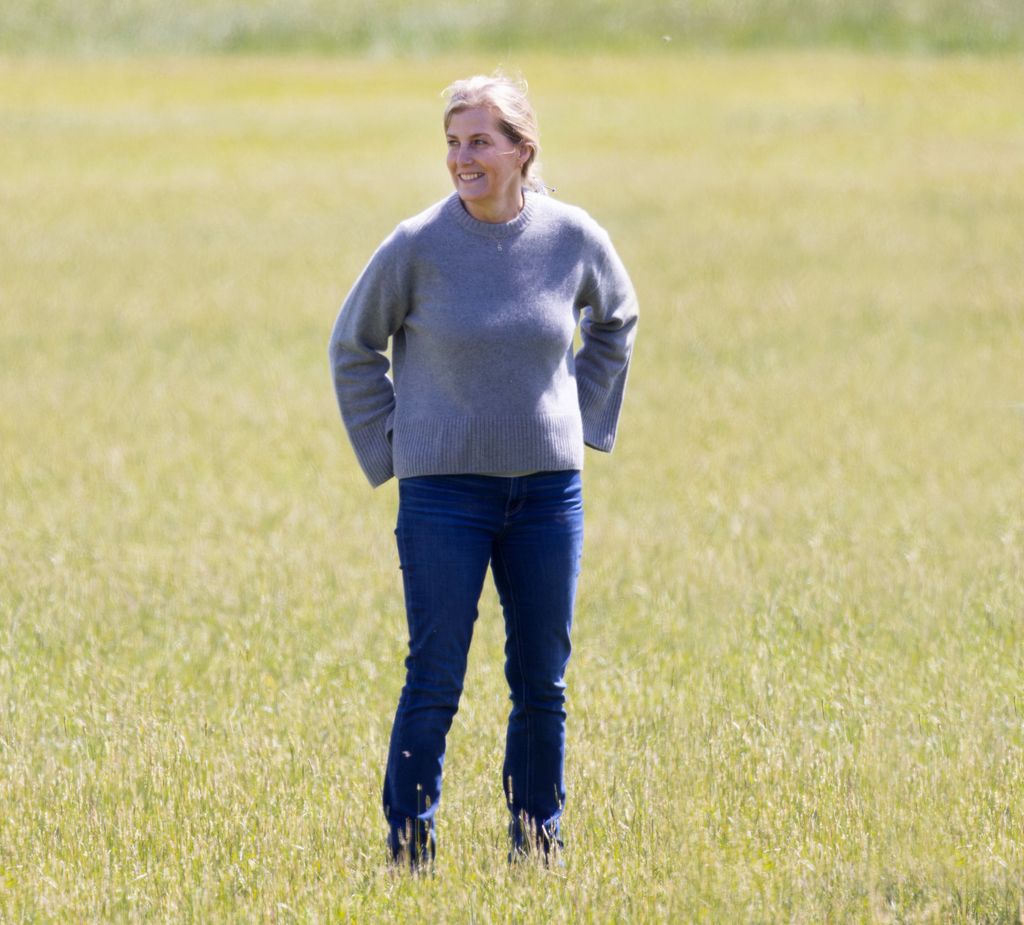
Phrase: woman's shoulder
(571, 220)
(568, 215)
(401, 242)
(422, 221)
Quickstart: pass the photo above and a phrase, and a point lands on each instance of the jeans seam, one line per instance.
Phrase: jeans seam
(390, 769)
(522, 676)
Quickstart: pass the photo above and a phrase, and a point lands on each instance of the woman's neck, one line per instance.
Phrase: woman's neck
(496, 213)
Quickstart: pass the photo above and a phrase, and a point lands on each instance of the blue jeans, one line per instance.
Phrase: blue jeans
(529, 530)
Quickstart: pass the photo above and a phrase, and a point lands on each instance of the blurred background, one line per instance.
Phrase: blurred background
(408, 27)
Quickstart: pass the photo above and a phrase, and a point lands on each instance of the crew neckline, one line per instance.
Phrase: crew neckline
(460, 213)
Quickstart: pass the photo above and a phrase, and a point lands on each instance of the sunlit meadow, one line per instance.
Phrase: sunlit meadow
(796, 690)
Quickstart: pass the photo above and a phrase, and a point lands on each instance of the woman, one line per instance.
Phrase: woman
(484, 424)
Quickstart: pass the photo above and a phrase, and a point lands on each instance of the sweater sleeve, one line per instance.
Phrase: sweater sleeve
(370, 315)
(608, 327)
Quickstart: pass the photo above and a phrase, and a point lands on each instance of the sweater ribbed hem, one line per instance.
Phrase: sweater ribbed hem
(459, 446)
(496, 230)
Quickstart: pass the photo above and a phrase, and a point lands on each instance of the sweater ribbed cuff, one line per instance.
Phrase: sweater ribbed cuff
(373, 450)
(600, 412)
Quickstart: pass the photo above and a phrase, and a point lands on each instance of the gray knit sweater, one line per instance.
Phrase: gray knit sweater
(481, 319)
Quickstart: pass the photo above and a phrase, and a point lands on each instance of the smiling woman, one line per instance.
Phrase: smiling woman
(485, 424)
(493, 146)
(485, 166)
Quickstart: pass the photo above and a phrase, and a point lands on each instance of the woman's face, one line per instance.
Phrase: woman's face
(485, 166)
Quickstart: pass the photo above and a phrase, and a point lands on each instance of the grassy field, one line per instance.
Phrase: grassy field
(90, 27)
(796, 692)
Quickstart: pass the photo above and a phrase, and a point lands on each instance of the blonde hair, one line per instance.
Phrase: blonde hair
(506, 98)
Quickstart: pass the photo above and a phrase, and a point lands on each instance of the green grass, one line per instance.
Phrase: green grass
(796, 690)
(383, 27)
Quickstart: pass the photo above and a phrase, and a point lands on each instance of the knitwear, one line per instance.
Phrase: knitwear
(481, 320)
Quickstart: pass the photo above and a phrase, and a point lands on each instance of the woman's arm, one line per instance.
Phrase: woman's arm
(371, 314)
(608, 327)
